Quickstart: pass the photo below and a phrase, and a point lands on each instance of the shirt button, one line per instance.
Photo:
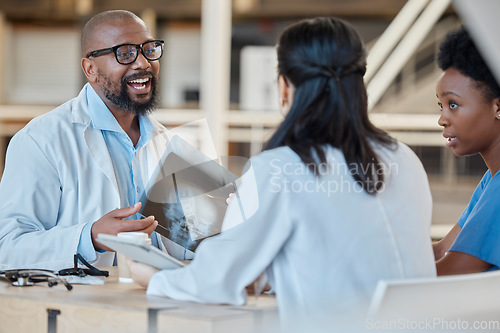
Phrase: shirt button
(137, 189)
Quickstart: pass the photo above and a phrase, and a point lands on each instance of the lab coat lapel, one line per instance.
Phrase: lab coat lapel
(93, 137)
(99, 151)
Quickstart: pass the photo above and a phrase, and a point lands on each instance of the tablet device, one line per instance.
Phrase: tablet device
(145, 253)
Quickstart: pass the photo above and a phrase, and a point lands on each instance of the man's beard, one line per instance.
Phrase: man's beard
(124, 102)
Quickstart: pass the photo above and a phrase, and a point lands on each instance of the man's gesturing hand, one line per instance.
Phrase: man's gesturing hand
(113, 223)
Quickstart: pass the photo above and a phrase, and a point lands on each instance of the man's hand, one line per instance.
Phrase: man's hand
(141, 273)
(112, 223)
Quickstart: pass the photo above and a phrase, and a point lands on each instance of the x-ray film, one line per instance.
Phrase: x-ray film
(188, 196)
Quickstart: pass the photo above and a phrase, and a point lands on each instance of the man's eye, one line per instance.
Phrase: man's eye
(125, 54)
(453, 105)
(440, 105)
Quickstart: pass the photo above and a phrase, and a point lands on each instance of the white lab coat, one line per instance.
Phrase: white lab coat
(324, 251)
(58, 177)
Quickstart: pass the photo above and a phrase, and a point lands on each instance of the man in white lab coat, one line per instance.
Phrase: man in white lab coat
(80, 169)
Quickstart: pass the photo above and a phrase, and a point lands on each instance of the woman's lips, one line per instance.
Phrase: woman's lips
(450, 141)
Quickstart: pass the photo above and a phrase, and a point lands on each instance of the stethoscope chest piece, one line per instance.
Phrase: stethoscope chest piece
(23, 281)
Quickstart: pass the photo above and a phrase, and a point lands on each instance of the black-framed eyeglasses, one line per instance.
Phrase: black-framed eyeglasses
(126, 54)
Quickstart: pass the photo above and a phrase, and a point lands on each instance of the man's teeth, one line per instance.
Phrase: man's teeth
(139, 81)
(451, 139)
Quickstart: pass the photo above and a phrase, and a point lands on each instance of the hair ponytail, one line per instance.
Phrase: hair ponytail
(325, 60)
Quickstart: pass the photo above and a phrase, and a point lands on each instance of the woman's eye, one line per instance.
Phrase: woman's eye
(453, 105)
(440, 105)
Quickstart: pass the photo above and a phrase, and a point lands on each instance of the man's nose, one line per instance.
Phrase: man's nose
(141, 61)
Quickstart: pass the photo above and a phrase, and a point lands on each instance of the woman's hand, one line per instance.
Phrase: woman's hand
(229, 198)
(440, 248)
(141, 273)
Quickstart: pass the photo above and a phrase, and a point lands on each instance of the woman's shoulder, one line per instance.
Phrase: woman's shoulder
(276, 156)
(274, 163)
(396, 151)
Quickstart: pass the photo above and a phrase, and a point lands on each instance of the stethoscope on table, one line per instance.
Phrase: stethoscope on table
(28, 277)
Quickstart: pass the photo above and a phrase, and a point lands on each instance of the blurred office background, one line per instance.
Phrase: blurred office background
(40, 68)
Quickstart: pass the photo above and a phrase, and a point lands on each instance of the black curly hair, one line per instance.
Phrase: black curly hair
(457, 50)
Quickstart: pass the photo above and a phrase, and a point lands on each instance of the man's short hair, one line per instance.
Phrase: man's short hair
(90, 27)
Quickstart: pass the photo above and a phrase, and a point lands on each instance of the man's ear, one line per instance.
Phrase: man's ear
(89, 69)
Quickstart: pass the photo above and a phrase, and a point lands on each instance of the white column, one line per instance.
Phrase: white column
(215, 68)
(481, 17)
(148, 15)
(3, 52)
(3, 65)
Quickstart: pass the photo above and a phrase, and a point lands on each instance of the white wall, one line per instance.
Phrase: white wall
(42, 65)
(258, 79)
(180, 65)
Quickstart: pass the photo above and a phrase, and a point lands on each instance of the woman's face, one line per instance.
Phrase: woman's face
(470, 122)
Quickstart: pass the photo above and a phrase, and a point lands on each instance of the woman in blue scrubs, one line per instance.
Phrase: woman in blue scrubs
(469, 99)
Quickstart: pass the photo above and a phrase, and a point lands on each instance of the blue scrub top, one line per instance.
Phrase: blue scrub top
(480, 223)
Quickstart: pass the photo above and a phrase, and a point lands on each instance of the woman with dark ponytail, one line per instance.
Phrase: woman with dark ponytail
(330, 207)
(329, 104)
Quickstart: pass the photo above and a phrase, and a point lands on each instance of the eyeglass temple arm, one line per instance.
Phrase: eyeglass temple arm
(93, 270)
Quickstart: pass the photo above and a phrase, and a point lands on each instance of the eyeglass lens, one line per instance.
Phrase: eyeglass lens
(127, 54)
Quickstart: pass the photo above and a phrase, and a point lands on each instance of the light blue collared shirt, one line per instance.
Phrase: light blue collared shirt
(125, 157)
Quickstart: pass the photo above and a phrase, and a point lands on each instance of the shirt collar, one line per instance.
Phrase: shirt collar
(146, 127)
(103, 119)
